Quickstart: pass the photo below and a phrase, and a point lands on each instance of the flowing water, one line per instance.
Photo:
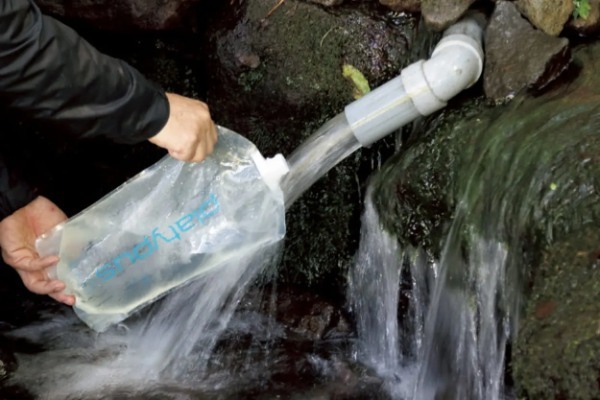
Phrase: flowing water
(516, 179)
(326, 148)
(444, 333)
(170, 350)
(427, 327)
(165, 350)
(449, 340)
(466, 334)
(374, 297)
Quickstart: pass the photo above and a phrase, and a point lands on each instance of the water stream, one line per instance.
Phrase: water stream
(323, 150)
(166, 349)
(516, 180)
(170, 349)
(449, 339)
(427, 327)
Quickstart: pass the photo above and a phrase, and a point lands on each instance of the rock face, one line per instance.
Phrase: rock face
(123, 15)
(8, 364)
(519, 56)
(290, 58)
(440, 14)
(549, 16)
(310, 317)
(276, 76)
(528, 174)
(559, 323)
(327, 3)
(402, 5)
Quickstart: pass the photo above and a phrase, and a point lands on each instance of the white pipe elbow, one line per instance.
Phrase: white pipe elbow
(423, 87)
(456, 64)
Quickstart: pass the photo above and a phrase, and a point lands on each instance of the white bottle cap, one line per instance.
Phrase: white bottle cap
(271, 169)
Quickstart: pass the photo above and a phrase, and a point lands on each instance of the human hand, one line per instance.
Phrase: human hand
(18, 232)
(189, 134)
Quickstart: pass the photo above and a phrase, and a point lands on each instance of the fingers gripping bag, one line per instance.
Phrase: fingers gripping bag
(167, 225)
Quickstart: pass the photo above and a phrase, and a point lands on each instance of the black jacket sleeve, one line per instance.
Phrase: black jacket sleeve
(15, 192)
(53, 75)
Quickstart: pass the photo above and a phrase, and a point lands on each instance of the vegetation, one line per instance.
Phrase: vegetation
(581, 9)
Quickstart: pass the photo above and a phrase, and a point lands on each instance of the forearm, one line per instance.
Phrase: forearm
(53, 75)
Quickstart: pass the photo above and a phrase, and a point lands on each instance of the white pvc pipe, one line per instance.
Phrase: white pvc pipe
(423, 87)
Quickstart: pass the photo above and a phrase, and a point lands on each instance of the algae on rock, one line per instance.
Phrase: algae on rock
(527, 174)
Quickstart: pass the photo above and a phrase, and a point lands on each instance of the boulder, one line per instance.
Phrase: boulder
(123, 15)
(549, 16)
(519, 56)
(402, 5)
(440, 14)
(276, 77)
(559, 336)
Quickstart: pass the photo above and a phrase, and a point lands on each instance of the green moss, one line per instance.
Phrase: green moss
(526, 173)
(312, 45)
(557, 354)
(414, 190)
(581, 9)
(248, 80)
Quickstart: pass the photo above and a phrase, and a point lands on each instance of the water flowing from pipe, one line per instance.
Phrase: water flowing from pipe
(322, 151)
(168, 346)
(172, 344)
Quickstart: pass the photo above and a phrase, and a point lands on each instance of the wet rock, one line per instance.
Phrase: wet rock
(299, 313)
(549, 352)
(249, 60)
(589, 25)
(440, 14)
(123, 15)
(301, 48)
(544, 309)
(402, 5)
(549, 16)
(297, 86)
(327, 3)
(309, 316)
(519, 56)
(528, 174)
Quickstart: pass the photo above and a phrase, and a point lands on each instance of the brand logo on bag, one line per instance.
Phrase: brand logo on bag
(152, 242)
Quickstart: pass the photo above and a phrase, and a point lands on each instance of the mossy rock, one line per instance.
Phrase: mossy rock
(526, 174)
(276, 77)
(276, 68)
(557, 352)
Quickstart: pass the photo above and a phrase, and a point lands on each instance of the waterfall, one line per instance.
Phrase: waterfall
(449, 339)
(466, 330)
(374, 295)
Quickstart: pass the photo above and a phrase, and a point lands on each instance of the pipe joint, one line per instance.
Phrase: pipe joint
(423, 87)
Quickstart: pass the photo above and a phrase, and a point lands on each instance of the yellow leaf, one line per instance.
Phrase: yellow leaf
(361, 85)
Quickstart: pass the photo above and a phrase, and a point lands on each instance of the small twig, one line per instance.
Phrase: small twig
(275, 7)
(325, 35)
